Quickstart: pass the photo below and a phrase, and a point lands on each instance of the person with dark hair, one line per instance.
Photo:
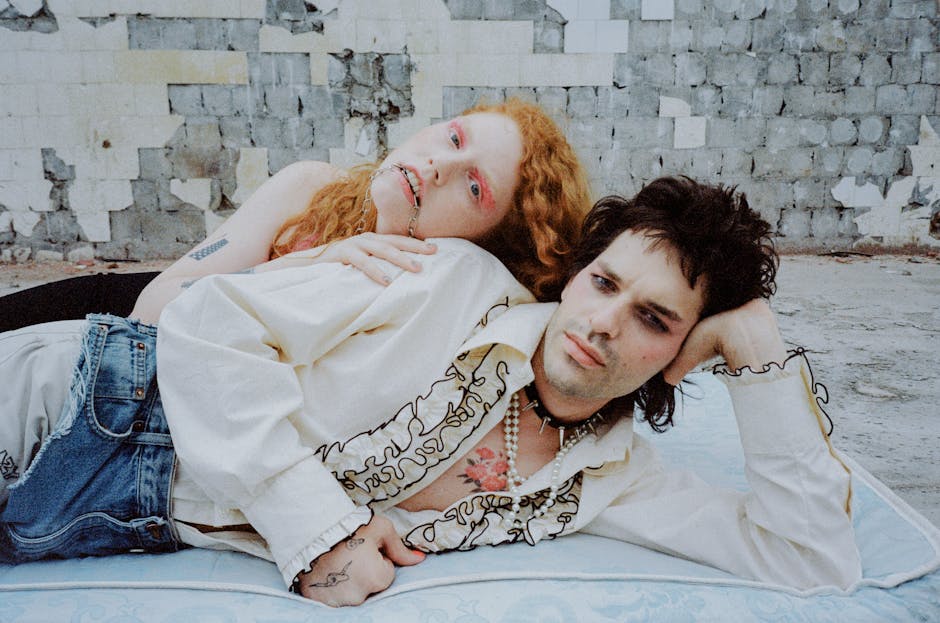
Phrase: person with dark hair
(713, 231)
(314, 417)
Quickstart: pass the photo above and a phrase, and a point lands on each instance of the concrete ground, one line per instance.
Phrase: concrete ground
(872, 329)
(872, 326)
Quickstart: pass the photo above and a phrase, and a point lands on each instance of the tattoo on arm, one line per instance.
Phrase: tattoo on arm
(247, 271)
(352, 543)
(204, 252)
(333, 578)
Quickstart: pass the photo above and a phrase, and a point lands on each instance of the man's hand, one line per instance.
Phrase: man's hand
(746, 336)
(361, 565)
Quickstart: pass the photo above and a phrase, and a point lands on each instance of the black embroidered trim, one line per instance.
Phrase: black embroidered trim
(424, 448)
(475, 514)
(820, 392)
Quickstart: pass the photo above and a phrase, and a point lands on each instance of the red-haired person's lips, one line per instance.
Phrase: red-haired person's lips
(411, 183)
(582, 352)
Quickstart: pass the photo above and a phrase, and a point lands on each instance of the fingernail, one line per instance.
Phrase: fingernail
(419, 553)
(431, 246)
(386, 279)
(416, 264)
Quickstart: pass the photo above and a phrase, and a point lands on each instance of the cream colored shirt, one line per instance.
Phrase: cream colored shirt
(299, 399)
(273, 382)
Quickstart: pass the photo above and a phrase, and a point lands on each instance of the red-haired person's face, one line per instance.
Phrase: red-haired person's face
(463, 173)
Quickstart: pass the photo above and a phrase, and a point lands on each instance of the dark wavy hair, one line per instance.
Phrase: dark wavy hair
(718, 238)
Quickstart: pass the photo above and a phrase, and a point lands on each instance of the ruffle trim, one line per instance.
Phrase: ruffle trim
(483, 520)
(336, 533)
(773, 371)
(378, 465)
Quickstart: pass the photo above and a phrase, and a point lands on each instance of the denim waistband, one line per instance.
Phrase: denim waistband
(120, 321)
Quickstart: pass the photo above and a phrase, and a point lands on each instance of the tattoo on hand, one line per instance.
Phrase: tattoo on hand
(333, 578)
(352, 543)
(203, 253)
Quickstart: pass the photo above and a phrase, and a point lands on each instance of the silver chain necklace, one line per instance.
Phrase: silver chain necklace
(416, 207)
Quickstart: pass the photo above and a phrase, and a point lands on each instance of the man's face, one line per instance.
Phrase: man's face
(621, 320)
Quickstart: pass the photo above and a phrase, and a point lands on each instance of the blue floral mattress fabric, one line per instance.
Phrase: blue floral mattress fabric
(576, 578)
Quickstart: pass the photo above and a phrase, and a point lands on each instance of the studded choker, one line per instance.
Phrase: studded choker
(535, 403)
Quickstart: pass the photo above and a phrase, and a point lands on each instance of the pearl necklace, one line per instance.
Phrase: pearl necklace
(514, 480)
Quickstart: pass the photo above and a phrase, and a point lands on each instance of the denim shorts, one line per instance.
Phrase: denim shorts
(100, 483)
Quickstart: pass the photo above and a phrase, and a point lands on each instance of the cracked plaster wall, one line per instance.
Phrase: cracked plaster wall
(130, 128)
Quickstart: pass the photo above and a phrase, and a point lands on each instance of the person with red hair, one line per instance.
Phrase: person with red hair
(500, 175)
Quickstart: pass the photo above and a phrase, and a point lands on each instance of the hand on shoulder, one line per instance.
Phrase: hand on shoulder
(361, 252)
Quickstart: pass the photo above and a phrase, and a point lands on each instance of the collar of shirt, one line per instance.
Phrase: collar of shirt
(519, 327)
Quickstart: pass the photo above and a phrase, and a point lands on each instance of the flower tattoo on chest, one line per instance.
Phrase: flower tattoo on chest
(486, 471)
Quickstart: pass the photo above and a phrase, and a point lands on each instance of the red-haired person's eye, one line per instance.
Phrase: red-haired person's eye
(455, 133)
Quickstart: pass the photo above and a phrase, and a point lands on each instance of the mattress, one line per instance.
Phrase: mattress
(574, 578)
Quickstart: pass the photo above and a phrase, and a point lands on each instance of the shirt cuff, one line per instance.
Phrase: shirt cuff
(303, 561)
(776, 407)
(296, 509)
(771, 371)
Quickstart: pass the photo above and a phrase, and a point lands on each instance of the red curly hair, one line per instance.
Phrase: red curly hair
(535, 239)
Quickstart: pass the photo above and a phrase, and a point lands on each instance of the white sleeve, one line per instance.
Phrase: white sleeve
(793, 527)
(232, 397)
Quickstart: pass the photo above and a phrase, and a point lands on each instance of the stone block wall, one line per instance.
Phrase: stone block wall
(131, 128)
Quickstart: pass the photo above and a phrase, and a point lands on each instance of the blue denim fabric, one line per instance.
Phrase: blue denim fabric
(100, 483)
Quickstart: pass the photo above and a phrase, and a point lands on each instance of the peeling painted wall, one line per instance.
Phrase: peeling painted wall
(130, 128)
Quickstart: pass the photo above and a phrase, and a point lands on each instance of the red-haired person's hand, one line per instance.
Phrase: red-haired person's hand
(361, 252)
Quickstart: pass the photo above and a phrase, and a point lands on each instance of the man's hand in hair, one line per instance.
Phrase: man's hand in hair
(746, 336)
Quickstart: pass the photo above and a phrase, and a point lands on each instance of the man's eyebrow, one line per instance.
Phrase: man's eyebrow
(657, 307)
(665, 311)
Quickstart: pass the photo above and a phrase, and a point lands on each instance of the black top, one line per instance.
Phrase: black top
(69, 299)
